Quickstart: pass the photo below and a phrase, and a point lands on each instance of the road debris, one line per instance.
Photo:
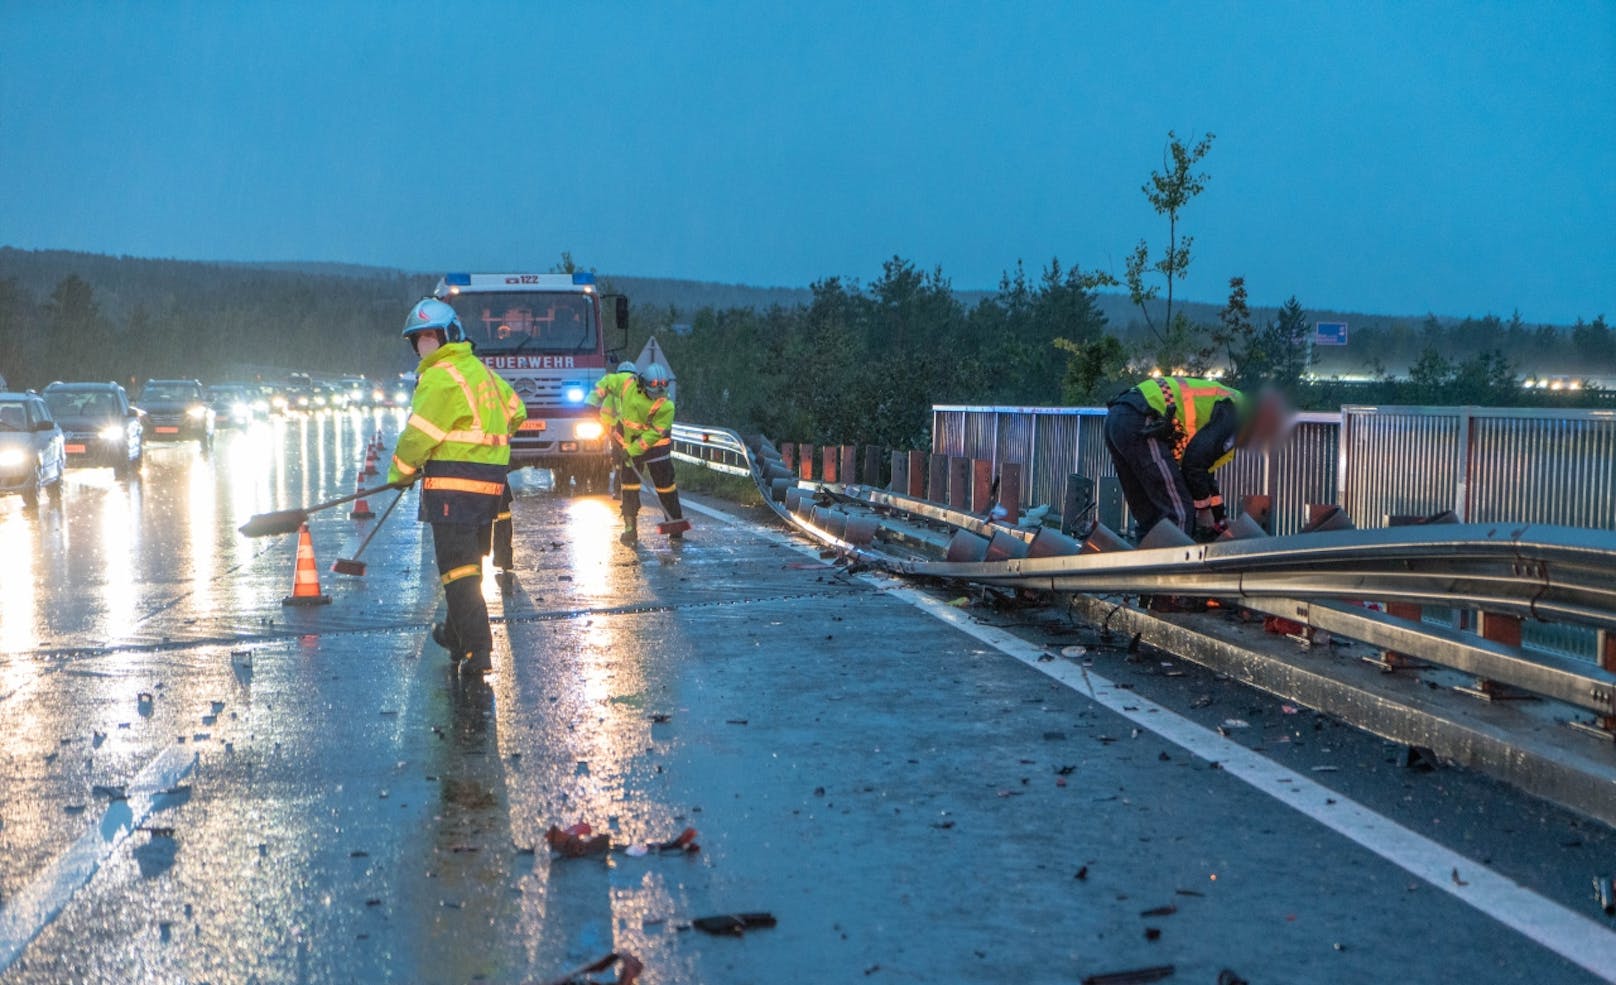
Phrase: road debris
(1137, 976)
(576, 841)
(1605, 894)
(733, 924)
(684, 842)
(1160, 911)
(628, 972)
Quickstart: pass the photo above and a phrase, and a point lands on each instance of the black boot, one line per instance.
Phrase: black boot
(440, 636)
(477, 662)
(631, 531)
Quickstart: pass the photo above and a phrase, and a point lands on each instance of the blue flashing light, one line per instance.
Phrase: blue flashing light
(457, 280)
(575, 394)
(583, 277)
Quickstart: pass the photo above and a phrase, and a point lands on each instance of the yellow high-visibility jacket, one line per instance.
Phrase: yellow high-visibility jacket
(608, 393)
(458, 436)
(647, 421)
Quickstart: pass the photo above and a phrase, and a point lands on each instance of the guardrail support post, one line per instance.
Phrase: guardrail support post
(959, 483)
(872, 465)
(937, 488)
(805, 462)
(1391, 660)
(1260, 509)
(917, 475)
(788, 455)
(900, 473)
(848, 470)
(827, 471)
(1010, 491)
(981, 485)
(1499, 628)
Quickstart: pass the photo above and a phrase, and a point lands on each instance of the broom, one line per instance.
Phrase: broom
(287, 521)
(352, 565)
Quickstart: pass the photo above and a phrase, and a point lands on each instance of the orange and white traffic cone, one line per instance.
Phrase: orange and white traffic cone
(370, 462)
(361, 506)
(306, 577)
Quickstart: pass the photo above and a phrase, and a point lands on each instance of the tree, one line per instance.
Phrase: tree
(1168, 192)
(1289, 345)
(1237, 338)
(17, 317)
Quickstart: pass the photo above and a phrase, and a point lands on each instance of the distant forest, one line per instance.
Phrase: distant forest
(839, 361)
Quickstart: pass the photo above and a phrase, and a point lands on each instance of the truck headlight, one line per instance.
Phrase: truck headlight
(111, 432)
(588, 431)
(12, 457)
(196, 413)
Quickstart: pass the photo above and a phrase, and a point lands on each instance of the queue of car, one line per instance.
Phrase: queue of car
(97, 424)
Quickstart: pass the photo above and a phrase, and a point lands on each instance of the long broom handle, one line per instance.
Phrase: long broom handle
(317, 507)
(380, 520)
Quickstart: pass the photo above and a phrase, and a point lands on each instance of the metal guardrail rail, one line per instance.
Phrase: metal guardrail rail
(1539, 573)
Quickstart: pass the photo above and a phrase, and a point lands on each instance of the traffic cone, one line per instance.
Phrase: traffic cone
(361, 506)
(306, 577)
(370, 462)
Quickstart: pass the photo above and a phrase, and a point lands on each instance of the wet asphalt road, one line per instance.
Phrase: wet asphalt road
(317, 800)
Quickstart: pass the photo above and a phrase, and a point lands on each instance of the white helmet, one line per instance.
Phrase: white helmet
(655, 379)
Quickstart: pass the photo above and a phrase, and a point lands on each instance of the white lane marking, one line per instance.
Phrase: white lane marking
(25, 915)
(1572, 936)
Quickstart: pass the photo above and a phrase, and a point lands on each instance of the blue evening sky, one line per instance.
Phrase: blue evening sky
(1399, 158)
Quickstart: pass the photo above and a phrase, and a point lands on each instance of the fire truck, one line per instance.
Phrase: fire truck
(544, 333)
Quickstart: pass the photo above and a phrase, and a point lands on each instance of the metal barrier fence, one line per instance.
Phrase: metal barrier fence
(1488, 465)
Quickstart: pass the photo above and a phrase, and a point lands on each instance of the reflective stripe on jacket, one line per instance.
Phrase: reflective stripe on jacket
(458, 436)
(1191, 400)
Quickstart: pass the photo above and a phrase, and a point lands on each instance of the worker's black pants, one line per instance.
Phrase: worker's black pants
(657, 464)
(1152, 482)
(496, 537)
(459, 550)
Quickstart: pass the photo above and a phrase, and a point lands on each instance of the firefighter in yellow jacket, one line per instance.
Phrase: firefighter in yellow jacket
(457, 441)
(1168, 435)
(606, 396)
(644, 415)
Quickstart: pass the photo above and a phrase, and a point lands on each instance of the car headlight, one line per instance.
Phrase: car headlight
(112, 432)
(588, 430)
(12, 457)
(196, 413)
(401, 397)
(377, 396)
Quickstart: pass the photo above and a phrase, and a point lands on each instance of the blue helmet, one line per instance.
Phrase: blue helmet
(627, 366)
(430, 314)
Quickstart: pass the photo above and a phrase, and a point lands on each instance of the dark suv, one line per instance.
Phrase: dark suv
(101, 429)
(177, 410)
(31, 455)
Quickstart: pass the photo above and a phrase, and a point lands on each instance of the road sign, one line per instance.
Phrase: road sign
(1330, 333)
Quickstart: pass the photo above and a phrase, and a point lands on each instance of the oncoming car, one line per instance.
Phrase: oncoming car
(177, 410)
(100, 427)
(32, 454)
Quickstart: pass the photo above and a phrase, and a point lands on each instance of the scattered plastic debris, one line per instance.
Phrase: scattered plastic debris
(1075, 652)
(733, 924)
(628, 971)
(1605, 894)
(1456, 880)
(1160, 911)
(1234, 723)
(576, 841)
(1290, 710)
(1137, 976)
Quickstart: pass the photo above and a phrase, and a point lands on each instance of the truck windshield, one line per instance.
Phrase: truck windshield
(531, 321)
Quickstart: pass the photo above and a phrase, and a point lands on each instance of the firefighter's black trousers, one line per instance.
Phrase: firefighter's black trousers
(1152, 482)
(657, 465)
(497, 536)
(459, 550)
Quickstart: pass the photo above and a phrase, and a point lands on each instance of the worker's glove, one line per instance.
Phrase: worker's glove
(1207, 533)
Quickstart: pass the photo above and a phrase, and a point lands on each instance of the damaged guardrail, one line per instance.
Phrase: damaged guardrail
(1324, 580)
